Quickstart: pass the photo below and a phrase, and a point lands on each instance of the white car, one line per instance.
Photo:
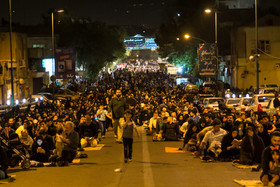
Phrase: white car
(232, 102)
(270, 108)
(243, 103)
(273, 86)
(212, 102)
(267, 91)
(259, 102)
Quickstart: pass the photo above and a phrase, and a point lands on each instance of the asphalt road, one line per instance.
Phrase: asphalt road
(150, 167)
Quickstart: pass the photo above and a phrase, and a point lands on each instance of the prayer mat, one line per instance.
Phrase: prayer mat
(97, 148)
(250, 183)
(174, 150)
(76, 162)
(241, 166)
(10, 179)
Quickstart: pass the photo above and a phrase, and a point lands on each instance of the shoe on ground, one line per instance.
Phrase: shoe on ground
(65, 163)
(40, 164)
(53, 164)
(103, 136)
(125, 160)
(130, 160)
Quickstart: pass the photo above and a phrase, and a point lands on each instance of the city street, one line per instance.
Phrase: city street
(150, 166)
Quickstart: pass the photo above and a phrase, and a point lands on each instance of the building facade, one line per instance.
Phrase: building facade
(21, 79)
(244, 48)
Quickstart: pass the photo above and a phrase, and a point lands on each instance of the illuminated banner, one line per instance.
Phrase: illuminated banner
(65, 61)
(140, 42)
(207, 59)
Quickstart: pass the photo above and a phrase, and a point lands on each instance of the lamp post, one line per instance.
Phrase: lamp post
(208, 11)
(11, 53)
(53, 79)
(256, 38)
(53, 44)
(187, 36)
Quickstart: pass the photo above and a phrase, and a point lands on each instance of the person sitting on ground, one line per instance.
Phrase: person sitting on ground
(270, 126)
(193, 116)
(251, 148)
(266, 176)
(70, 138)
(154, 124)
(4, 163)
(214, 139)
(228, 124)
(231, 145)
(26, 139)
(89, 133)
(40, 150)
(170, 131)
(192, 129)
(274, 166)
(262, 132)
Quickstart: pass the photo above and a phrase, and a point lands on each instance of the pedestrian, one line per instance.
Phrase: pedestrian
(276, 102)
(117, 107)
(128, 127)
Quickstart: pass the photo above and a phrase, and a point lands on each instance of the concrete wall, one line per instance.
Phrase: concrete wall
(243, 48)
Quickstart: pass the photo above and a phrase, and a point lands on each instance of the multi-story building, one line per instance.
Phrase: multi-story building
(244, 45)
(21, 80)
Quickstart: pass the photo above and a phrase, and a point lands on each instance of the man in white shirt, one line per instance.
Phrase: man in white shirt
(154, 124)
(214, 138)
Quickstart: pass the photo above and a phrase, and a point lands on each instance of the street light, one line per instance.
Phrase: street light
(187, 36)
(53, 45)
(11, 51)
(256, 38)
(208, 11)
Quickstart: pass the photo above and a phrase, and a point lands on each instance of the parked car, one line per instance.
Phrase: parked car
(191, 88)
(267, 91)
(259, 102)
(212, 102)
(232, 102)
(270, 108)
(208, 87)
(200, 97)
(243, 103)
(273, 86)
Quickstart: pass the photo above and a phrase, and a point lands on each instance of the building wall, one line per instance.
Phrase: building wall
(20, 66)
(237, 4)
(269, 64)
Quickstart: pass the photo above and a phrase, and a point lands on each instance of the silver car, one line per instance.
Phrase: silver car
(212, 102)
(259, 102)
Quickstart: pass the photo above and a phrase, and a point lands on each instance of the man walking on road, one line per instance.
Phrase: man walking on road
(117, 106)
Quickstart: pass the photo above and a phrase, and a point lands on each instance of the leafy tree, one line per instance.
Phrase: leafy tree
(96, 44)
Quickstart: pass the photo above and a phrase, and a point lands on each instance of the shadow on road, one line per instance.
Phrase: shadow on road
(14, 170)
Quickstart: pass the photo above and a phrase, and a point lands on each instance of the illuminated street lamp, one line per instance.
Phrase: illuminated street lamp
(187, 36)
(53, 45)
(208, 11)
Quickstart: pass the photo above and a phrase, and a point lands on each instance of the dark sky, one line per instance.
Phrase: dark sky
(110, 11)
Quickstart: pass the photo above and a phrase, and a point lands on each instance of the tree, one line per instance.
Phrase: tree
(96, 43)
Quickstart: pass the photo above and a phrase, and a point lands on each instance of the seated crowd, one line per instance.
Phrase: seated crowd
(55, 131)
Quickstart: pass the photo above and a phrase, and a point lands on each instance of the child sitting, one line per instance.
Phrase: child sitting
(274, 166)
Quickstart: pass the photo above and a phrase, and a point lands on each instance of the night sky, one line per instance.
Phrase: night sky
(29, 12)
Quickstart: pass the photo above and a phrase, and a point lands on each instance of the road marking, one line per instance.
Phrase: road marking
(147, 169)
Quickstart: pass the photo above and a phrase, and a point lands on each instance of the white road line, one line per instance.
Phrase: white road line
(147, 169)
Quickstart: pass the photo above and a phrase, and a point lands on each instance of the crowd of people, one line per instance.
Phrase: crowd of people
(53, 132)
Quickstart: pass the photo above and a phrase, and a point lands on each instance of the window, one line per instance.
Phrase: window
(264, 46)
